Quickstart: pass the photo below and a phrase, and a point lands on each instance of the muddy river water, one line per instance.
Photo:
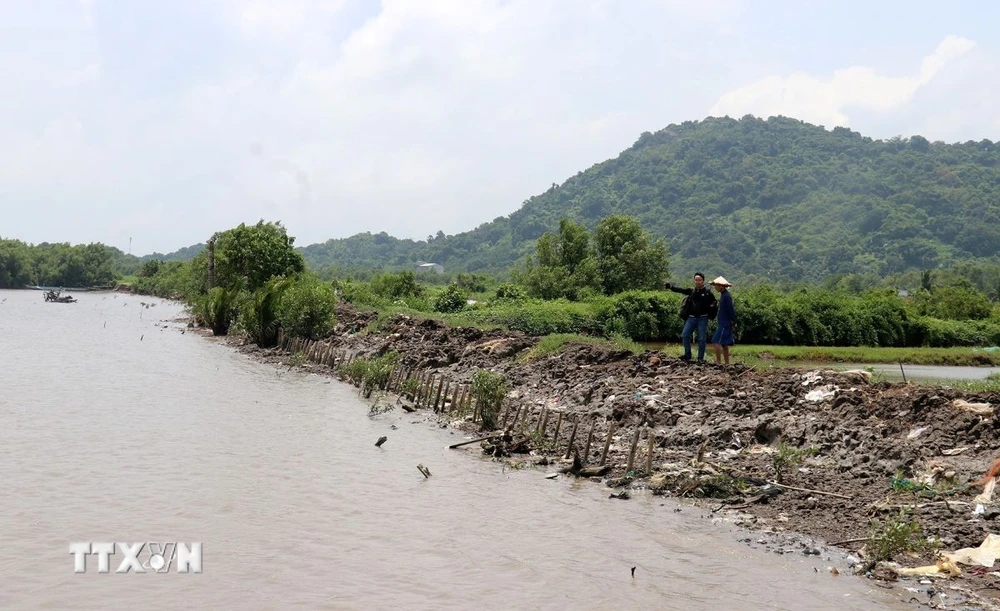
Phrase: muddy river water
(117, 427)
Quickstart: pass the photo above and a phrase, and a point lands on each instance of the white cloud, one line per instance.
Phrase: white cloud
(827, 100)
(406, 116)
(282, 20)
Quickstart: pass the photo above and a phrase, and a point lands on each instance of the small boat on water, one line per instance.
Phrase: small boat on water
(55, 297)
(77, 289)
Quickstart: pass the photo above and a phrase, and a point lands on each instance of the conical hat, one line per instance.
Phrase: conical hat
(721, 282)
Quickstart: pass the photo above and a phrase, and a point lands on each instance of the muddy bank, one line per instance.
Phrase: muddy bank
(818, 453)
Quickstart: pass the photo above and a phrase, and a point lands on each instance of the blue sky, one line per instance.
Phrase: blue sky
(164, 121)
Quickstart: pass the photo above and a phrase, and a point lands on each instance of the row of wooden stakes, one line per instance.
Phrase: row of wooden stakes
(430, 390)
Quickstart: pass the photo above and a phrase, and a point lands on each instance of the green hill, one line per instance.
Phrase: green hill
(775, 198)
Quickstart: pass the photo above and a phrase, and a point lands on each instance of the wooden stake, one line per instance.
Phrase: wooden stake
(649, 452)
(437, 397)
(444, 396)
(572, 438)
(465, 443)
(555, 436)
(590, 437)
(454, 397)
(545, 420)
(631, 451)
(607, 442)
(538, 423)
(425, 388)
(419, 391)
(517, 416)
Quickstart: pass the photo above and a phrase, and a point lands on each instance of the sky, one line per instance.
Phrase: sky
(149, 125)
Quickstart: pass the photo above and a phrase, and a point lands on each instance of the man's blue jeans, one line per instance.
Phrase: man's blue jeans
(702, 323)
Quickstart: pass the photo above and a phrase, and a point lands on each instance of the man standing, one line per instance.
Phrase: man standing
(725, 334)
(701, 306)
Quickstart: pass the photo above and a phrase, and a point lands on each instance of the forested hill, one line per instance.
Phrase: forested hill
(777, 198)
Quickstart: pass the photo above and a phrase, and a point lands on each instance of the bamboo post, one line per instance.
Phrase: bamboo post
(649, 451)
(418, 388)
(590, 437)
(607, 442)
(555, 436)
(281, 338)
(572, 438)
(437, 397)
(631, 451)
(538, 423)
(517, 414)
(545, 420)
(388, 378)
(422, 389)
(456, 405)
(444, 395)
(454, 397)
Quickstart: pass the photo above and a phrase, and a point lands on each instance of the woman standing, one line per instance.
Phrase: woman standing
(725, 334)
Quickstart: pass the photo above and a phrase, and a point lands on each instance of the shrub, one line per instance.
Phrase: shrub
(452, 299)
(218, 308)
(307, 308)
(510, 292)
(258, 316)
(396, 285)
(536, 317)
(641, 315)
(489, 390)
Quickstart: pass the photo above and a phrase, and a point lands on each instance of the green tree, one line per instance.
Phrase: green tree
(564, 264)
(627, 257)
(248, 256)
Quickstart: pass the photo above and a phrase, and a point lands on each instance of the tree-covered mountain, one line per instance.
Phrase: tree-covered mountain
(775, 198)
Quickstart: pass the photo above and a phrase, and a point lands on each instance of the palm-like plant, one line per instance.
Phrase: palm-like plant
(259, 313)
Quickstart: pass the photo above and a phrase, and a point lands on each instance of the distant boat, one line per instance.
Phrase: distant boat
(81, 289)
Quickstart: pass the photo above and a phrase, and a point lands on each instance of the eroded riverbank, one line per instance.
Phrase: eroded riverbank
(151, 434)
(779, 451)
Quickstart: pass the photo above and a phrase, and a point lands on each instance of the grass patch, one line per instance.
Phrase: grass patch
(556, 343)
(786, 459)
(990, 384)
(862, 354)
(896, 534)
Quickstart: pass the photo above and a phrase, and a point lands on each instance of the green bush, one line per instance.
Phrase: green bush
(218, 308)
(641, 315)
(452, 299)
(396, 285)
(536, 317)
(258, 315)
(488, 390)
(307, 308)
(510, 292)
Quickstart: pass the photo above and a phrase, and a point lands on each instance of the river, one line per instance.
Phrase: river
(118, 427)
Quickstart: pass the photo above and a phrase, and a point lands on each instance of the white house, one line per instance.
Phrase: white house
(423, 266)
